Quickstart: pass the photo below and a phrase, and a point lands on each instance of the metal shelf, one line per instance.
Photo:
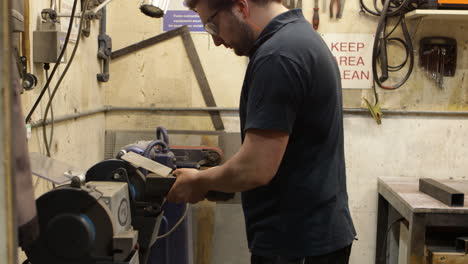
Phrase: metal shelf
(438, 14)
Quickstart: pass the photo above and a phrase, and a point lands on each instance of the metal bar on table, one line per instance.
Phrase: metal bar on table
(441, 192)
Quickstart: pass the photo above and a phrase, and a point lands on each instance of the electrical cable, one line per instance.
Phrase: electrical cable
(379, 52)
(409, 53)
(59, 59)
(62, 76)
(48, 143)
(187, 206)
(391, 8)
(400, 66)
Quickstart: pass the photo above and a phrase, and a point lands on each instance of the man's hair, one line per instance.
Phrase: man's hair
(215, 4)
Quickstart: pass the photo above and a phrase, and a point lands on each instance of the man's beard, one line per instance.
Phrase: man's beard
(245, 40)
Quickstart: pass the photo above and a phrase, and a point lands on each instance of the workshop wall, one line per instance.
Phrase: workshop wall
(161, 75)
(79, 142)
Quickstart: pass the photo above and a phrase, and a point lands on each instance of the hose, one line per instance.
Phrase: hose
(161, 130)
(391, 8)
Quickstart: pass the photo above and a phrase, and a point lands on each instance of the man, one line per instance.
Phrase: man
(290, 167)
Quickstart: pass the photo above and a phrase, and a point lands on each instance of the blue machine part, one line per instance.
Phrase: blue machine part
(91, 225)
(175, 247)
(132, 190)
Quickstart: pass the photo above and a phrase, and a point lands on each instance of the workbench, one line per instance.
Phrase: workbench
(401, 202)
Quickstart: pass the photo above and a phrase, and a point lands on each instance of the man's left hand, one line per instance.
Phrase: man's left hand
(187, 187)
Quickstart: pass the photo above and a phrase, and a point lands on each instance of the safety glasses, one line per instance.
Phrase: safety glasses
(211, 27)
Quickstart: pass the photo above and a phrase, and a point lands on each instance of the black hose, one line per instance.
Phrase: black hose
(153, 144)
(70, 61)
(379, 52)
(48, 142)
(409, 54)
(400, 66)
(162, 131)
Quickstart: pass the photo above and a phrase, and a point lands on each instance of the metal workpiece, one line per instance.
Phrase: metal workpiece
(55, 171)
(441, 192)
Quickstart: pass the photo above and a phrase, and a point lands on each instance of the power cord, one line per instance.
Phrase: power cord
(187, 206)
(391, 8)
(59, 59)
(62, 76)
(48, 142)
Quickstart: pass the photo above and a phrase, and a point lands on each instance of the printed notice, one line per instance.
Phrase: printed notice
(179, 15)
(66, 7)
(353, 53)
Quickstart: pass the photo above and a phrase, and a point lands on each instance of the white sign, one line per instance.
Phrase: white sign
(66, 7)
(178, 15)
(353, 53)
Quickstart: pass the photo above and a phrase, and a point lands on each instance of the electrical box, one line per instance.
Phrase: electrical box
(48, 42)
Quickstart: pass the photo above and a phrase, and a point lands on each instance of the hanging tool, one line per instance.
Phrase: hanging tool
(29, 80)
(375, 109)
(105, 49)
(289, 4)
(338, 7)
(340, 12)
(316, 18)
(299, 4)
(438, 56)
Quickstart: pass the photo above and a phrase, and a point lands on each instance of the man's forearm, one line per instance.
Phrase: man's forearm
(254, 165)
(236, 175)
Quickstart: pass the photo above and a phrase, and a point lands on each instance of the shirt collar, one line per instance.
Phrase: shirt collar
(275, 25)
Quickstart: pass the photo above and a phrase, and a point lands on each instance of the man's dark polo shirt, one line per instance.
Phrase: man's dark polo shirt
(293, 84)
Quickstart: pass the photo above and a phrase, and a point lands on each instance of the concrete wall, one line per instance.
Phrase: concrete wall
(81, 141)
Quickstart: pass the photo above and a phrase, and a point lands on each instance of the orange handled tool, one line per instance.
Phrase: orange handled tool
(316, 18)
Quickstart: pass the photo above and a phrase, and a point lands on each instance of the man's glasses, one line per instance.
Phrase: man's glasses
(211, 27)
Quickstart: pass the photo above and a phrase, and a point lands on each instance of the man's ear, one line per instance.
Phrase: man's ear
(243, 7)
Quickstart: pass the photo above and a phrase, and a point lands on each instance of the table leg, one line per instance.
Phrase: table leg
(382, 224)
(417, 240)
(393, 235)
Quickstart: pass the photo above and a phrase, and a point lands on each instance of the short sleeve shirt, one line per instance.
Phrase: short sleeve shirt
(293, 84)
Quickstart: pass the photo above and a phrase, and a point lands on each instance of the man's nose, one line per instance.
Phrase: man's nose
(217, 40)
